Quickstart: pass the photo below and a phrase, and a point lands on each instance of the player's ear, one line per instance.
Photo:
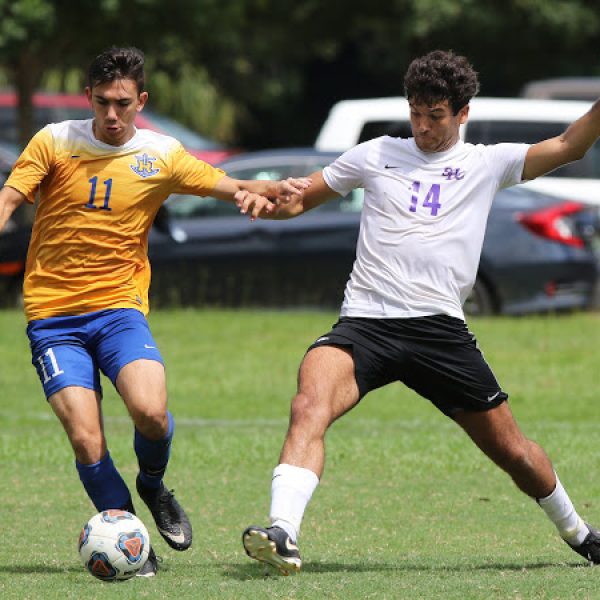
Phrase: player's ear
(463, 114)
(88, 93)
(142, 99)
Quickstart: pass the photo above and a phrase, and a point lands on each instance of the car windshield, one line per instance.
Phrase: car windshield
(532, 132)
(189, 138)
(184, 206)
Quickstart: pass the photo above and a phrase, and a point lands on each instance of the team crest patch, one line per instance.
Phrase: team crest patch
(144, 166)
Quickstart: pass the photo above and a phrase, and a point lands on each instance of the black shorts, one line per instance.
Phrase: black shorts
(437, 356)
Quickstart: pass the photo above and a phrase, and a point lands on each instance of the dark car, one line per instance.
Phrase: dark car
(14, 240)
(537, 256)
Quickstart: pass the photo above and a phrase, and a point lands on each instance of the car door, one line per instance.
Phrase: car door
(212, 255)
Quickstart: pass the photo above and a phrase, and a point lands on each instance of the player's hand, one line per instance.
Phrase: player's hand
(253, 204)
(292, 186)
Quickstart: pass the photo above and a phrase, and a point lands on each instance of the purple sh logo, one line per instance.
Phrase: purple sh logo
(450, 173)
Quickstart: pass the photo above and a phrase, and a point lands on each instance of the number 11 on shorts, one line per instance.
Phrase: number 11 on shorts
(56, 370)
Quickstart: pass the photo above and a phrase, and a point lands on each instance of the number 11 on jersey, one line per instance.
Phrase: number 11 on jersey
(108, 189)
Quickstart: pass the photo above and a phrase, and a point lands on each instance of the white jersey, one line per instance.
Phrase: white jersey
(422, 223)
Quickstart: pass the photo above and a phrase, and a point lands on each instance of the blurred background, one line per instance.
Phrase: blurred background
(228, 77)
(264, 73)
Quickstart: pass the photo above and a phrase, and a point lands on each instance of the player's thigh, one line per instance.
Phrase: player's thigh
(61, 357)
(494, 431)
(327, 381)
(142, 385)
(128, 355)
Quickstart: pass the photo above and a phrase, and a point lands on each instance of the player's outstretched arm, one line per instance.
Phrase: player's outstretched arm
(565, 148)
(317, 193)
(10, 199)
(259, 197)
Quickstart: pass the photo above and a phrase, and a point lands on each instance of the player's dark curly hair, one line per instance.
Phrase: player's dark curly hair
(441, 75)
(118, 63)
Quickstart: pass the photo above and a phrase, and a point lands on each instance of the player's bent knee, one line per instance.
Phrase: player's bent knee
(307, 412)
(88, 448)
(153, 425)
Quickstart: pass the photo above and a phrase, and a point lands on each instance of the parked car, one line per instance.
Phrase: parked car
(14, 239)
(52, 108)
(537, 254)
(491, 120)
(563, 88)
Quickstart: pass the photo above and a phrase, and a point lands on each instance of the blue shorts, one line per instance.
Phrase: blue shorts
(72, 350)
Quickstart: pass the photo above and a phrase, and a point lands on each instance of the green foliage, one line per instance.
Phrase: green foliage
(267, 71)
(407, 508)
(23, 23)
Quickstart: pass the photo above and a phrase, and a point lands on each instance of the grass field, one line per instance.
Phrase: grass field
(407, 508)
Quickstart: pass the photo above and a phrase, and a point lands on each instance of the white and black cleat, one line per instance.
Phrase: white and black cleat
(273, 546)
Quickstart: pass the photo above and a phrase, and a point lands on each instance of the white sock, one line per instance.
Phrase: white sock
(562, 513)
(291, 490)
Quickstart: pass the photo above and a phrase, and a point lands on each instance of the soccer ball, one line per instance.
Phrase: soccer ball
(114, 545)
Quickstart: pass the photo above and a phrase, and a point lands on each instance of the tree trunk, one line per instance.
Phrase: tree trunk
(27, 77)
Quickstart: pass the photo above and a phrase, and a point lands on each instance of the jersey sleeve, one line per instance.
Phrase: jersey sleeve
(191, 175)
(507, 162)
(33, 165)
(345, 173)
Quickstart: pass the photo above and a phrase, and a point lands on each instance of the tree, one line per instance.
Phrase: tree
(272, 68)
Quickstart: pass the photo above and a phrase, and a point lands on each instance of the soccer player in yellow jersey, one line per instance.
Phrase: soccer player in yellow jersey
(100, 183)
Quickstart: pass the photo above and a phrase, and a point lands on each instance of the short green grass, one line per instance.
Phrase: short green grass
(407, 508)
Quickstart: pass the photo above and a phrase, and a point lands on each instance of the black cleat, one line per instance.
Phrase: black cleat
(272, 546)
(171, 521)
(590, 547)
(150, 566)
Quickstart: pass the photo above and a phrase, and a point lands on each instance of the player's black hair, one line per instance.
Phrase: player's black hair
(441, 75)
(118, 63)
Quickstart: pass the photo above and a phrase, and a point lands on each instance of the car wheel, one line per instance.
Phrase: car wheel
(480, 301)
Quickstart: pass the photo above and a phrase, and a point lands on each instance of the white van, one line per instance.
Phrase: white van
(491, 120)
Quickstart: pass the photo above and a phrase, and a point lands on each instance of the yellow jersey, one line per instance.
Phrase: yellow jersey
(97, 202)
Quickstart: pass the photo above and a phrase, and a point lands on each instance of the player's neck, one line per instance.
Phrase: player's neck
(113, 141)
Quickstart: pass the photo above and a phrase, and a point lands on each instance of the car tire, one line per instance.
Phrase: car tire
(480, 301)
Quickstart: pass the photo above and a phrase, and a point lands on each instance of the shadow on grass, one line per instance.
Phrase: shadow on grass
(259, 571)
(42, 569)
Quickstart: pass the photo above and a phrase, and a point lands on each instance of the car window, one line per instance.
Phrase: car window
(527, 132)
(189, 138)
(374, 129)
(531, 132)
(186, 206)
(42, 116)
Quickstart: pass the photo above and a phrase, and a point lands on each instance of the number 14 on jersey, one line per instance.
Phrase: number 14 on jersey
(430, 201)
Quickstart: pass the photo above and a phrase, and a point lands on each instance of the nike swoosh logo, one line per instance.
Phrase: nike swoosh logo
(490, 398)
(290, 545)
(322, 339)
(392, 167)
(179, 538)
(149, 347)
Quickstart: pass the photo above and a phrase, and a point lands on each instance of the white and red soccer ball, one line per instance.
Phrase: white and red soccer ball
(114, 545)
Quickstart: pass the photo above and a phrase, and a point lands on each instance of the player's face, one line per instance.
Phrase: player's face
(115, 105)
(435, 128)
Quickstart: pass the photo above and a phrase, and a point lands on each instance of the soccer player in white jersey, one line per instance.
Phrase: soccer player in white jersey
(101, 182)
(426, 204)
